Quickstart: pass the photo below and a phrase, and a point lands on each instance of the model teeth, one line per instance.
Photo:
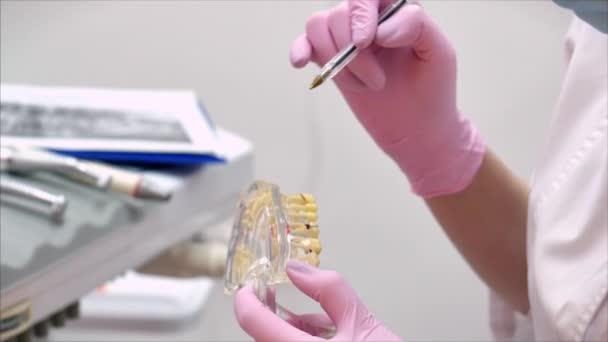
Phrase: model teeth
(308, 244)
(301, 198)
(309, 207)
(305, 230)
(306, 216)
(302, 229)
(311, 258)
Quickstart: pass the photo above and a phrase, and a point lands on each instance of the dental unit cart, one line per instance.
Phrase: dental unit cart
(48, 267)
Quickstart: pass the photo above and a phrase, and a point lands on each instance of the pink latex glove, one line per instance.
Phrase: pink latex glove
(402, 88)
(352, 319)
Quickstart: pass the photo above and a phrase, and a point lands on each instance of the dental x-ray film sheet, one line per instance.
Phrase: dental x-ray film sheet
(109, 124)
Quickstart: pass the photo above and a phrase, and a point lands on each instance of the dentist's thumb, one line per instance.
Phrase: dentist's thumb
(351, 317)
(328, 288)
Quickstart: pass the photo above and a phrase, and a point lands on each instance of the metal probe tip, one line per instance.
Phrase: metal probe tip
(57, 209)
(150, 190)
(316, 82)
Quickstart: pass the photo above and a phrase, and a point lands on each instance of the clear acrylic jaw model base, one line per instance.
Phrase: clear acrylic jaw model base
(271, 228)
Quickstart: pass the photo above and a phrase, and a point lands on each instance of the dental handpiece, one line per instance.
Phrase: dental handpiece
(26, 159)
(54, 204)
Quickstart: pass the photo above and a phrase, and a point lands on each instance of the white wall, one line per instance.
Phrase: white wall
(235, 55)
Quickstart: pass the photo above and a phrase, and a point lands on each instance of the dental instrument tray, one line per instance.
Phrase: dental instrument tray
(47, 266)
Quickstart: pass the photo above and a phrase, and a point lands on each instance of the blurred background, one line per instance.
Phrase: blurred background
(234, 54)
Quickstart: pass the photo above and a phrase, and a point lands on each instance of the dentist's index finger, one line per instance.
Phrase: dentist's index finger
(301, 52)
(412, 27)
(363, 21)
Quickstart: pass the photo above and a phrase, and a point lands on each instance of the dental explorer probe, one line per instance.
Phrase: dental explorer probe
(346, 55)
(55, 205)
(29, 159)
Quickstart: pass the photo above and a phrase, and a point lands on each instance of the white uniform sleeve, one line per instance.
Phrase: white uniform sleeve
(567, 217)
(597, 331)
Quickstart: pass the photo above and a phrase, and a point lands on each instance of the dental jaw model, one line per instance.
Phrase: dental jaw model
(269, 229)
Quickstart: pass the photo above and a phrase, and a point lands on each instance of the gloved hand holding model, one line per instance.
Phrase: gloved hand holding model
(352, 319)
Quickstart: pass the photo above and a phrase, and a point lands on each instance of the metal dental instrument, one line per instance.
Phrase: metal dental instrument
(344, 57)
(131, 183)
(26, 159)
(54, 204)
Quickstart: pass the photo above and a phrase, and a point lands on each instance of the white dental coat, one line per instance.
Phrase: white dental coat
(568, 211)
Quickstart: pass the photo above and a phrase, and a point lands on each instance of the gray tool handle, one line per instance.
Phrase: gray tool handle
(56, 204)
(31, 159)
